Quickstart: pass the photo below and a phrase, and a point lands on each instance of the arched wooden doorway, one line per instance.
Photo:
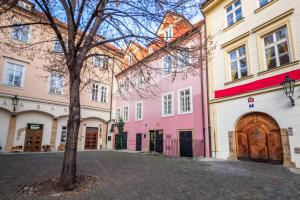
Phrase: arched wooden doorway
(259, 139)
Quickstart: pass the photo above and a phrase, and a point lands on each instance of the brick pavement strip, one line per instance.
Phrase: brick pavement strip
(124, 175)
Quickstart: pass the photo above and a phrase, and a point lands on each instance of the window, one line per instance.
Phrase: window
(167, 65)
(56, 83)
(14, 74)
(183, 59)
(20, 33)
(57, 47)
(126, 113)
(139, 111)
(140, 79)
(130, 59)
(101, 61)
(118, 114)
(234, 13)
(103, 94)
(150, 49)
(126, 85)
(24, 5)
(238, 63)
(277, 48)
(63, 137)
(169, 33)
(167, 104)
(185, 101)
(263, 2)
(95, 92)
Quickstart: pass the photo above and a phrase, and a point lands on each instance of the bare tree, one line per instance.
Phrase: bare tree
(81, 26)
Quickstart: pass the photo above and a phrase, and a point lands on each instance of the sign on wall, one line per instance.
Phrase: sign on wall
(251, 102)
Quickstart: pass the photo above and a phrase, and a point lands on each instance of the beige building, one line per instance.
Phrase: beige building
(34, 99)
(257, 45)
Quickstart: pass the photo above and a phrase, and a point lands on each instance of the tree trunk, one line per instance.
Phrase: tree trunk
(68, 173)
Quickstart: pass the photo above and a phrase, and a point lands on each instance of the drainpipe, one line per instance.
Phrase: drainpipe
(207, 86)
(111, 100)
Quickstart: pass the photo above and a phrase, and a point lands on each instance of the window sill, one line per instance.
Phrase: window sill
(55, 94)
(233, 25)
(171, 115)
(239, 80)
(138, 120)
(11, 86)
(265, 6)
(279, 68)
(185, 113)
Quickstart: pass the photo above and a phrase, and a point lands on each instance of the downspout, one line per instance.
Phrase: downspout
(202, 92)
(111, 100)
(207, 86)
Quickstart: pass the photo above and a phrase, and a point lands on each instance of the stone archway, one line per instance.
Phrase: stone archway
(258, 137)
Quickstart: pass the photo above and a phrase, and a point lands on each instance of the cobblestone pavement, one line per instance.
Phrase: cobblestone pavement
(139, 176)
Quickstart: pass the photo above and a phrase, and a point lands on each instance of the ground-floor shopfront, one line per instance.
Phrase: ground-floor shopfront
(42, 126)
(261, 127)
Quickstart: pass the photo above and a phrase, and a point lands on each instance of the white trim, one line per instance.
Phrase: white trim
(162, 104)
(127, 113)
(23, 64)
(191, 100)
(142, 110)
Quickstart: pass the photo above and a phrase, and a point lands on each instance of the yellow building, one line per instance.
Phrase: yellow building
(34, 100)
(255, 46)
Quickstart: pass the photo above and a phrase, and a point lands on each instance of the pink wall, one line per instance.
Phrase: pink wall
(152, 113)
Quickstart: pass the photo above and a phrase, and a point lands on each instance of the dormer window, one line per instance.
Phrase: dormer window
(24, 5)
(168, 33)
(150, 49)
(130, 59)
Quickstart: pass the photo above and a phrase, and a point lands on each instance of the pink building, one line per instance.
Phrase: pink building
(162, 95)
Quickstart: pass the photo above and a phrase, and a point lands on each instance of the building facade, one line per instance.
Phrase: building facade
(34, 101)
(257, 46)
(163, 101)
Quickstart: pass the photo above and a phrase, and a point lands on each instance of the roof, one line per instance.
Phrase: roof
(64, 25)
(183, 37)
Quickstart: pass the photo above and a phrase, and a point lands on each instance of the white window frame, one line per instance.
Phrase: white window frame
(4, 74)
(142, 110)
(172, 102)
(118, 114)
(169, 33)
(127, 118)
(191, 100)
(63, 83)
(164, 64)
(98, 91)
(275, 43)
(233, 12)
(101, 92)
(18, 38)
(238, 58)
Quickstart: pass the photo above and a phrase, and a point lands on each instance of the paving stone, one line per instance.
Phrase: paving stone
(123, 175)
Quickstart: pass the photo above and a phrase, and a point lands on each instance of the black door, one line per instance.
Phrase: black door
(156, 141)
(124, 140)
(186, 143)
(138, 142)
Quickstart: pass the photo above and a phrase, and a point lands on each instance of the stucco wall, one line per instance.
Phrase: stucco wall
(274, 104)
(4, 125)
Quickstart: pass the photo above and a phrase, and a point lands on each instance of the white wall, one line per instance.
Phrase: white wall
(93, 123)
(36, 118)
(4, 125)
(276, 104)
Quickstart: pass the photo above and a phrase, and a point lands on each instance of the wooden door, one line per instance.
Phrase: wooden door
(258, 138)
(91, 138)
(258, 144)
(33, 138)
(242, 146)
(186, 143)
